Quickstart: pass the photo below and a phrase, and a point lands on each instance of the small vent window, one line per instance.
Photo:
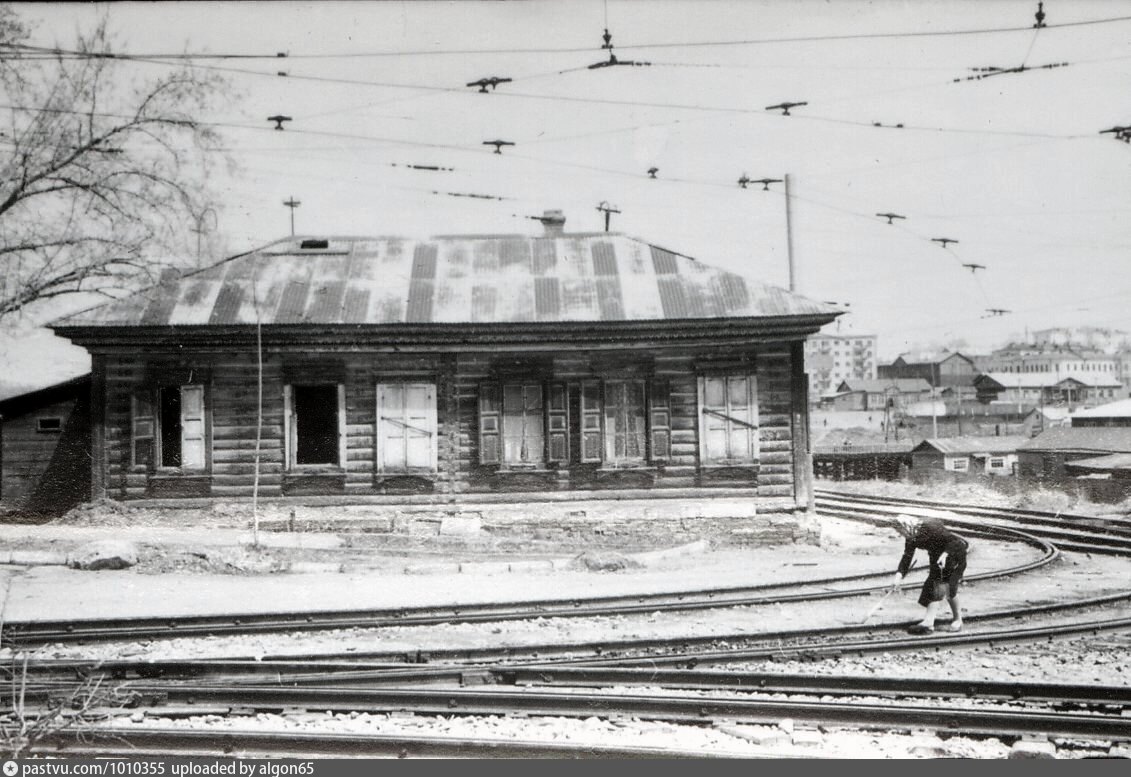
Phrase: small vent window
(48, 425)
(314, 245)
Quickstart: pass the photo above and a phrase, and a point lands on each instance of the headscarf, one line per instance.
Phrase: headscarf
(906, 525)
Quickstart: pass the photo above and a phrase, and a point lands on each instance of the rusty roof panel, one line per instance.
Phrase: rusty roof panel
(604, 259)
(545, 256)
(483, 300)
(609, 299)
(355, 306)
(672, 297)
(325, 305)
(227, 306)
(514, 252)
(482, 279)
(663, 261)
(547, 299)
(293, 303)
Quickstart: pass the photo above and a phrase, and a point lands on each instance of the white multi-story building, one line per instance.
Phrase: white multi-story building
(833, 358)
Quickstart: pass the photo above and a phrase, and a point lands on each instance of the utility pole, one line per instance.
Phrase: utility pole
(789, 236)
(608, 210)
(292, 203)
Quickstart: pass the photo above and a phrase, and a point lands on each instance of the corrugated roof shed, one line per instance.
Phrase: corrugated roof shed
(1082, 439)
(966, 445)
(1120, 409)
(901, 385)
(1035, 380)
(450, 280)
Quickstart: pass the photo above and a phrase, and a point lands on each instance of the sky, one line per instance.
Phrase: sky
(1011, 166)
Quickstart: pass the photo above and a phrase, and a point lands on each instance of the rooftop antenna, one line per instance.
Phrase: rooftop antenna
(292, 203)
(608, 210)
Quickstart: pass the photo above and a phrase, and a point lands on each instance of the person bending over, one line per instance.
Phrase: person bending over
(942, 582)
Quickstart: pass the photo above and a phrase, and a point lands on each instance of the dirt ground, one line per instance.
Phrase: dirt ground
(203, 561)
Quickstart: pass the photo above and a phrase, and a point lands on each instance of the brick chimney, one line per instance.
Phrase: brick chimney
(554, 222)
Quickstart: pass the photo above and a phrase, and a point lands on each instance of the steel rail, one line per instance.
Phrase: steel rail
(27, 633)
(683, 651)
(661, 706)
(816, 684)
(1065, 539)
(134, 742)
(1071, 525)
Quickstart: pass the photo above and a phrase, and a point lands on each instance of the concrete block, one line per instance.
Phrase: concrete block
(1026, 748)
(484, 567)
(315, 567)
(532, 566)
(461, 524)
(767, 736)
(432, 569)
(807, 737)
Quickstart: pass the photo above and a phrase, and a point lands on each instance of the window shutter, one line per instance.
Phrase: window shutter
(192, 427)
(142, 430)
(590, 421)
(489, 414)
(390, 427)
(420, 429)
(289, 430)
(558, 423)
(661, 418)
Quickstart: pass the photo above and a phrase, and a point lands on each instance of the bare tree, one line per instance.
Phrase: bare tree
(104, 164)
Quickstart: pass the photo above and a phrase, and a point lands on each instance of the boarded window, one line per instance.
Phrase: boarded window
(313, 424)
(728, 419)
(524, 438)
(557, 416)
(624, 421)
(661, 417)
(590, 421)
(406, 427)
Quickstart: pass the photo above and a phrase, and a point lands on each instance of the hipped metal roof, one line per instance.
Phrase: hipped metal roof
(453, 280)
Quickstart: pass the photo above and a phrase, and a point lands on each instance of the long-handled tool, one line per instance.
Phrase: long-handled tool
(876, 607)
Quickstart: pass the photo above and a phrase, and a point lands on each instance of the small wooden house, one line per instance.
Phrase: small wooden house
(982, 455)
(45, 449)
(451, 370)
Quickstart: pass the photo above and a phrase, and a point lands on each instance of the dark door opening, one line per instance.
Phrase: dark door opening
(170, 426)
(316, 424)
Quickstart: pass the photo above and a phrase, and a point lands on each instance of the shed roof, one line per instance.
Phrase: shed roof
(1086, 439)
(49, 395)
(902, 385)
(1119, 409)
(958, 445)
(452, 280)
(1110, 462)
(1034, 380)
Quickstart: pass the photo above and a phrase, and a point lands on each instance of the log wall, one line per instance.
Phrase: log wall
(231, 404)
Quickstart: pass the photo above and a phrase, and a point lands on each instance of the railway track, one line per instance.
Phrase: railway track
(1068, 532)
(25, 634)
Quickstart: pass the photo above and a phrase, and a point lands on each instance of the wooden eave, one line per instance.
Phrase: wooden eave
(528, 336)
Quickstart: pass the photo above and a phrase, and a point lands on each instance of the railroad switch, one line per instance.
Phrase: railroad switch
(479, 677)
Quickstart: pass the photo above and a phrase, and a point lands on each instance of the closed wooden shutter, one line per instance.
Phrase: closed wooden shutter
(406, 427)
(558, 422)
(143, 426)
(728, 419)
(192, 427)
(590, 421)
(661, 420)
(489, 417)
